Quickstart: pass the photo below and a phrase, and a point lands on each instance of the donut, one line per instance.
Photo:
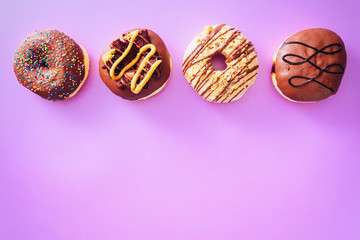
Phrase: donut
(309, 65)
(51, 64)
(241, 69)
(136, 65)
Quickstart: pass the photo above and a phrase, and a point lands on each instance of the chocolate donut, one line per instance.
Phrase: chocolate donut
(51, 64)
(241, 64)
(309, 65)
(135, 65)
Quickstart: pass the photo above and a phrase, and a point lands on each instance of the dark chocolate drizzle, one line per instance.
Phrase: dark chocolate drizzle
(325, 69)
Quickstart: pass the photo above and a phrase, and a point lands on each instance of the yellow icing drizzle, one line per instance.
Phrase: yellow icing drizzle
(133, 87)
(109, 55)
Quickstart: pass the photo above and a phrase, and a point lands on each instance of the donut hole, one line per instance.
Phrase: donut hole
(218, 62)
(44, 63)
(38, 59)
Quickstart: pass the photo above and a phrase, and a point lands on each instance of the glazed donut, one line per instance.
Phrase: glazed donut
(309, 65)
(135, 65)
(241, 60)
(51, 64)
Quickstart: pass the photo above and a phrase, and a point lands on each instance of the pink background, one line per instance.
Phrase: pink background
(175, 166)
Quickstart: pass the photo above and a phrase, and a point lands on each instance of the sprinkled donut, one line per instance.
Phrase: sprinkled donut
(241, 64)
(51, 64)
(136, 65)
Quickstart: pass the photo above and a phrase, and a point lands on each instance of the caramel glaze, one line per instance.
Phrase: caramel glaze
(245, 47)
(122, 86)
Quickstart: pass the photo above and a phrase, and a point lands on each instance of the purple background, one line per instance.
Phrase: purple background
(175, 166)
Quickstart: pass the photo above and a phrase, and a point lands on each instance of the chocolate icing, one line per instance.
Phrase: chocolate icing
(122, 86)
(310, 65)
(50, 63)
